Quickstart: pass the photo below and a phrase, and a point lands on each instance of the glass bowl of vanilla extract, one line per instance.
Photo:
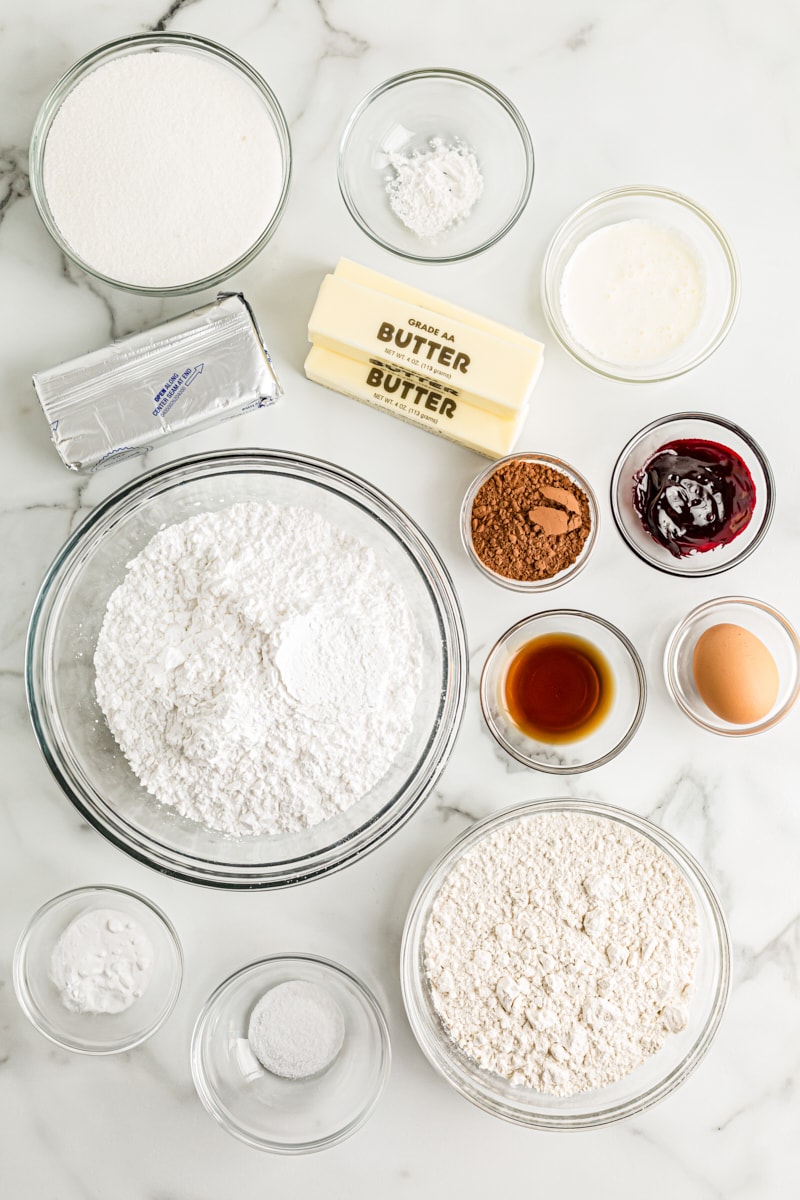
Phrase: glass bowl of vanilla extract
(563, 691)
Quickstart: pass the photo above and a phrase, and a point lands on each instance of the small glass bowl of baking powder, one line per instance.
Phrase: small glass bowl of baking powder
(422, 140)
(269, 1111)
(575, 652)
(640, 284)
(649, 1083)
(93, 1032)
(557, 543)
(160, 163)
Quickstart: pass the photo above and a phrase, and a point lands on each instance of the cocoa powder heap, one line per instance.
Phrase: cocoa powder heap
(529, 521)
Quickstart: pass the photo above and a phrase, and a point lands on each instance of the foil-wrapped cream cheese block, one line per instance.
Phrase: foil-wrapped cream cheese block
(193, 371)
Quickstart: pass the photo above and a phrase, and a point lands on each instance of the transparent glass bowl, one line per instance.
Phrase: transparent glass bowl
(596, 747)
(72, 732)
(714, 252)
(404, 113)
(95, 1033)
(643, 445)
(289, 1116)
(529, 585)
(177, 43)
(651, 1082)
(762, 620)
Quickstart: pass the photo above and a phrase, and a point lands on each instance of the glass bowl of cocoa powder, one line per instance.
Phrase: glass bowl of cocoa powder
(529, 522)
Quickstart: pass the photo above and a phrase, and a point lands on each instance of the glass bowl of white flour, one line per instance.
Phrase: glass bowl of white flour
(435, 165)
(160, 163)
(565, 964)
(640, 284)
(98, 969)
(247, 668)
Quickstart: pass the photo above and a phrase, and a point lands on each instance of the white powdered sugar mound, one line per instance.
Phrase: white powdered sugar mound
(435, 188)
(561, 952)
(259, 668)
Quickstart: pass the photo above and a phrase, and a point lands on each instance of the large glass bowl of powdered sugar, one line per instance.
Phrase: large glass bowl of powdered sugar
(565, 964)
(247, 669)
(160, 163)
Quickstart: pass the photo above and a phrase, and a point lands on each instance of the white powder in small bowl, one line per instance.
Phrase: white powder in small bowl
(296, 1029)
(433, 189)
(102, 962)
(162, 168)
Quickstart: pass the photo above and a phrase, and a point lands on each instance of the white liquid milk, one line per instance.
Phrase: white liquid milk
(632, 292)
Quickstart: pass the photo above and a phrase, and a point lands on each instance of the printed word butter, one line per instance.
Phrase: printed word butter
(413, 399)
(390, 325)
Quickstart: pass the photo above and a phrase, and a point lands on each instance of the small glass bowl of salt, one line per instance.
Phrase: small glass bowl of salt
(291, 1053)
(435, 165)
(98, 969)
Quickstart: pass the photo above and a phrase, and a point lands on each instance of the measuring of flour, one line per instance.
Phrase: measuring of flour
(561, 951)
(259, 667)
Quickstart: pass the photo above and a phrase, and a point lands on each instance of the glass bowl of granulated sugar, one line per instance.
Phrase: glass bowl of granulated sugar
(160, 163)
(435, 165)
(247, 668)
(565, 964)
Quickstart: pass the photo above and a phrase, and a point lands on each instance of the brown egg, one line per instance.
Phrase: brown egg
(735, 673)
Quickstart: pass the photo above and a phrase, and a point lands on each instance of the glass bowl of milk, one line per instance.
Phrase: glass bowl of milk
(640, 284)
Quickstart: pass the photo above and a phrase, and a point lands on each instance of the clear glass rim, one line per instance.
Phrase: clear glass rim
(550, 302)
(208, 1097)
(433, 756)
(134, 43)
(636, 662)
(670, 673)
(456, 76)
(769, 500)
(531, 585)
(23, 992)
(436, 1049)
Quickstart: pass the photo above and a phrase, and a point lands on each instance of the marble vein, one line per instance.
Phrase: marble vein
(164, 21)
(14, 179)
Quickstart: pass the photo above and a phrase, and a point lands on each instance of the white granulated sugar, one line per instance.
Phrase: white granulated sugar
(162, 168)
(259, 667)
(102, 962)
(434, 189)
(296, 1029)
(561, 952)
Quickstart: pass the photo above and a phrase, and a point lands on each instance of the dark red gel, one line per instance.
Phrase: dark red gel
(694, 495)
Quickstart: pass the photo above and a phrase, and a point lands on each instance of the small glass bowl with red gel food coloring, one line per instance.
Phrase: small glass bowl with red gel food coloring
(563, 691)
(692, 494)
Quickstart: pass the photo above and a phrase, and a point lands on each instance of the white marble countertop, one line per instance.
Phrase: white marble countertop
(697, 96)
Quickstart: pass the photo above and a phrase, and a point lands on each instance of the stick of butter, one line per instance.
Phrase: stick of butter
(488, 371)
(413, 398)
(366, 277)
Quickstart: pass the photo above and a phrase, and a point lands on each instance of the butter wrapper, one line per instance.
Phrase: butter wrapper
(193, 371)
